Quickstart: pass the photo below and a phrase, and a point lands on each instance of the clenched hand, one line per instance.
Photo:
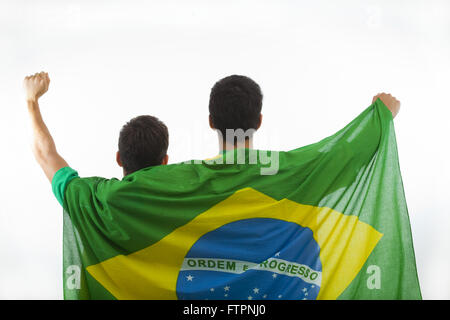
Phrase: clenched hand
(391, 102)
(36, 85)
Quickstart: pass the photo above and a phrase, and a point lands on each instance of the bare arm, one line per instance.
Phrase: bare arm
(391, 102)
(43, 146)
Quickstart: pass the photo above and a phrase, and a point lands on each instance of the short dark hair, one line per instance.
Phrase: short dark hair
(235, 103)
(143, 142)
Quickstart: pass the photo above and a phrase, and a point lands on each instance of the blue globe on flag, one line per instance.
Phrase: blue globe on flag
(252, 259)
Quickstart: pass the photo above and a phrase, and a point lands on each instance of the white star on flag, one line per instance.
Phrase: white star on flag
(212, 289)
(256, 290)
(279, 297)
(277, 254)
(250, 297)
(274, 275)
(304, 289)
(265, 296)
(189, 278)
(227, 288)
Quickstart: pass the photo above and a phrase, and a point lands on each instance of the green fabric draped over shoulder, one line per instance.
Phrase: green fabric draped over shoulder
(324, 221)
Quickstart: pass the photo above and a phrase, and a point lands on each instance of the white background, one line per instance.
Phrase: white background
(318, 62)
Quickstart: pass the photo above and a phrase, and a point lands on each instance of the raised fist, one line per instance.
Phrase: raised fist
(36, 85)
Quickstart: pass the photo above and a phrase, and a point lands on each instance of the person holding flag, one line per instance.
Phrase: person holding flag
(330, 222)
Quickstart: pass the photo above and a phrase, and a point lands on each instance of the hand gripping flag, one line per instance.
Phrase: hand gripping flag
(330, 223)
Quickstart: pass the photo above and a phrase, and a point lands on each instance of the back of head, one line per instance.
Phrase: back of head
(143, 142)
(235, 103)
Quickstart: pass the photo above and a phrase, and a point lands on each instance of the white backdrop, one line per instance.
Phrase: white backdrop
(318, 62)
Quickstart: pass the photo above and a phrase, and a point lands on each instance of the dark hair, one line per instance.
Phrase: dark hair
(143, 142)
(235, 102)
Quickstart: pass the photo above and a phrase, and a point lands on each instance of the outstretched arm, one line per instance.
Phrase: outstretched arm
(43, 146)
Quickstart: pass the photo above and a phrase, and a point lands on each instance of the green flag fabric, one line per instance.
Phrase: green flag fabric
(325, 221)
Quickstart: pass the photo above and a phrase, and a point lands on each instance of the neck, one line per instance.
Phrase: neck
(224, 145)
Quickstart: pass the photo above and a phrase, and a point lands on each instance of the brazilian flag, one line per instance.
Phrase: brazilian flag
(325, 221)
